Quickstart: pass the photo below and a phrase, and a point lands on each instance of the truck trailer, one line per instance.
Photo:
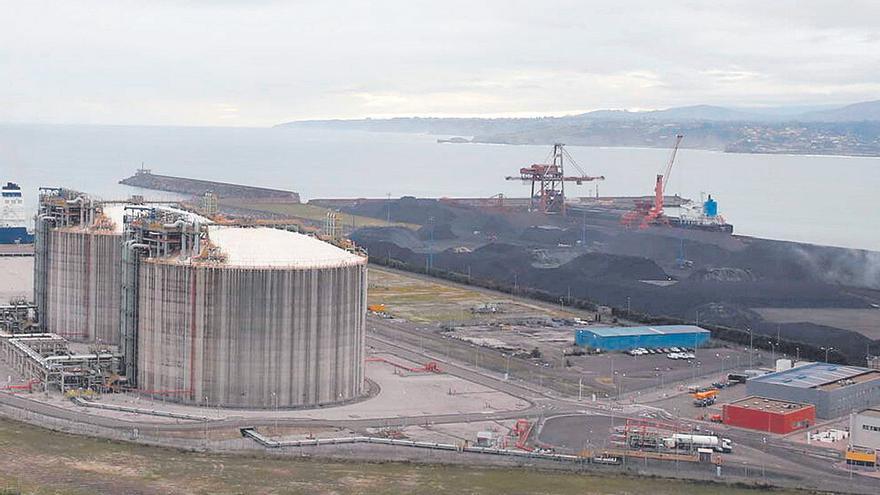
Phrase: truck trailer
(693, 442)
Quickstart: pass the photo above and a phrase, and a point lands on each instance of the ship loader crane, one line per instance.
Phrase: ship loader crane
(549, 179)
(644, 214)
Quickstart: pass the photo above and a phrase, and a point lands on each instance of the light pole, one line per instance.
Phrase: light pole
(751, 347)
(275, 400)
(206, 422)
(826, 352)
(773, 352)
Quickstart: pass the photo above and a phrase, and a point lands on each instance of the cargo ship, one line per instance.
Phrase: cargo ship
(701, 217)
(13, 219)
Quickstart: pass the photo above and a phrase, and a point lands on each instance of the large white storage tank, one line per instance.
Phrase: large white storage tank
(262, 318)
(83, 275)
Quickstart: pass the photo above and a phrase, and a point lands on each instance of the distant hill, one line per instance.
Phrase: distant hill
(848, 130)
(703, 112)
(857, 112)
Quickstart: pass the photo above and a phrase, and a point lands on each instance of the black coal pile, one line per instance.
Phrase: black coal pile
(723, 274)
(494, 224)
(400, 236)
(601, 266)
(441, 232)
(406, 209)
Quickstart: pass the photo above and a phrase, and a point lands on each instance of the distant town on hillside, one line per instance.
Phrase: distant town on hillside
(852, 130)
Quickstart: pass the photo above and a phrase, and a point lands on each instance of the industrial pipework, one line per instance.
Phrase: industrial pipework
(150, 231)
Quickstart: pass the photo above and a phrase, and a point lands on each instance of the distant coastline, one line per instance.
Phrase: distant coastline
(853, 130)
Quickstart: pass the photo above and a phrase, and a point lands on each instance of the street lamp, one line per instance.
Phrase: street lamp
(275, 400)
(751, 347)
(826, 352)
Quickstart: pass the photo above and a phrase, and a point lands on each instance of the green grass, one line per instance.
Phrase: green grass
(40, 461)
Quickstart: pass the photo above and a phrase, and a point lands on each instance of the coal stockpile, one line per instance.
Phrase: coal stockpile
(406, 209)
(756, 275)
(660, 272)
(399, 236)
(441, 232)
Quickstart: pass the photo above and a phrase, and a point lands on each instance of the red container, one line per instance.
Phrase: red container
(758, 413)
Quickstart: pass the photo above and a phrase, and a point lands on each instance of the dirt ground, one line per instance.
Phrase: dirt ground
(43, 462)
(421, 300)
(16, 277)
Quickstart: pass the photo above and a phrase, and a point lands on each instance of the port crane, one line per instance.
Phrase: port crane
(646, 213)
(548, 181)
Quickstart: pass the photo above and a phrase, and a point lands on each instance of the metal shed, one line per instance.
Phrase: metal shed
(834, 389)
(625, 338)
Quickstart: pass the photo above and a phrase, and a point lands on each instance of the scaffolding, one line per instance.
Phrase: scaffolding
(331, 229)
(210, 204)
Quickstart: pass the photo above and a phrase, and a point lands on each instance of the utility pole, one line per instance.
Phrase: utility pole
(275, 399)
(751, 348)
(388, 210)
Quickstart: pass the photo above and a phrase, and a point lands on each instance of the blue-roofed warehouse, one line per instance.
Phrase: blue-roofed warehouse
(834, 389)
(625, 338)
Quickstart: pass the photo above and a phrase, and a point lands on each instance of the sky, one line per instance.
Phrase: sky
(262, 62)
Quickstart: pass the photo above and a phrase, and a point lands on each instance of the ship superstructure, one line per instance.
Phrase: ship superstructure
(13, 217)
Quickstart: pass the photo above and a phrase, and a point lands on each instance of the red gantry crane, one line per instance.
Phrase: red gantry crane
(549, 179)
(645, 213)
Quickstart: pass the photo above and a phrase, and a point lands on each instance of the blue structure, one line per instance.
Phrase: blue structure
(13, 219)
(834, 389)
(710, 207)
(625, 338)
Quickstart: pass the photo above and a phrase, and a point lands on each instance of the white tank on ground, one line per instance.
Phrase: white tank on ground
(83, 277)
(261, 318)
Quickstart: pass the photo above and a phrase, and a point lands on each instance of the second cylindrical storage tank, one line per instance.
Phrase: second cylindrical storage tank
(83, 277)
(271, 319)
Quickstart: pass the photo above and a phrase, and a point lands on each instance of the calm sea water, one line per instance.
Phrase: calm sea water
(823, 200)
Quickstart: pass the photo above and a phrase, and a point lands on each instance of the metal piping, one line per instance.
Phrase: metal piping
(128, 307)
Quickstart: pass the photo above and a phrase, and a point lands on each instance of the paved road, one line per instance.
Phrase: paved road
(780, 458)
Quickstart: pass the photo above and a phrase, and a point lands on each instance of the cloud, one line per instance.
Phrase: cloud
(259, 63)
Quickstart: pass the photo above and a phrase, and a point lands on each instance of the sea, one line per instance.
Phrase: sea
(829, 200)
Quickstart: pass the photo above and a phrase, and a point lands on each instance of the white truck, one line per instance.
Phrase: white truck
(694, 442)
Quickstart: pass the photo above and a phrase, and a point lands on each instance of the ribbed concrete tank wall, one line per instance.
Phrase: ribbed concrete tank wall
(251, 337)
(83, 284)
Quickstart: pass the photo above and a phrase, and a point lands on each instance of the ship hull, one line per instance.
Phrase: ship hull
(15, 235)
(725, 228)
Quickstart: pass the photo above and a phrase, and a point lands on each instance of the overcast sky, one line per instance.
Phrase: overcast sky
(256, 63)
